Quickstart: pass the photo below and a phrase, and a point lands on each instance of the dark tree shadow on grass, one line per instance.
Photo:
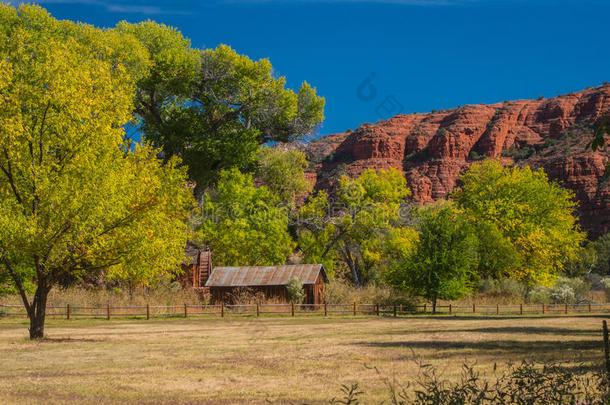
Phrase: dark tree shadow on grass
(66, 340)
(493, 317)
(526, 330)
(496, 347)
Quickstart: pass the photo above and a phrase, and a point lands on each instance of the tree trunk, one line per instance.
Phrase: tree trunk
(356, 276)
(353, 266)
(37, 313)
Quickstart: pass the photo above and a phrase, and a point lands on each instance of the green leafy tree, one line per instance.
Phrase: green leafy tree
(534, 215)
(244, 224)
(583, 263)
(214, 107)
(599, 135)
(359, 230)
(443, 265)
(602, 255)
(74, 200)
(498, 256)
(282, 170)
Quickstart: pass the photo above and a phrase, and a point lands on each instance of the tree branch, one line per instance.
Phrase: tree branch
(8, 171)
(18, 282)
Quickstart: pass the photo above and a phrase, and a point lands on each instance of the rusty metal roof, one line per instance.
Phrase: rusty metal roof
(254, 276)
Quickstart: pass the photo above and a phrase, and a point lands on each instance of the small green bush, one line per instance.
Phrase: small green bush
(505, 289)
(570, 291)
(295, 290)
(540, 295)
(606, 283)
(474, 155)
(527, 383)
(565, 291)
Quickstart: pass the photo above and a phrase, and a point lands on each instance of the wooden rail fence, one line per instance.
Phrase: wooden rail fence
(221, 310)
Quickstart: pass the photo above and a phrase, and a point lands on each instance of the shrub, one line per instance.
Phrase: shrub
(565, 291)
(487, 286)
(539, 295)
(606, 283)
(509, 290)
(474, 155)
(523, 384)
(340, 292)
(579, 290)
(295, 290)
(563, 294)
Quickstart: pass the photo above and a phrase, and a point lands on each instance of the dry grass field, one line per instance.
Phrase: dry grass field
(268, 360)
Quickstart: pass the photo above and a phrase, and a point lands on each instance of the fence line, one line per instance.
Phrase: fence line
(224, 310)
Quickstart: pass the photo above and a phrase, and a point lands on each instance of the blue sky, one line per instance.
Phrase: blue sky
(417, 55)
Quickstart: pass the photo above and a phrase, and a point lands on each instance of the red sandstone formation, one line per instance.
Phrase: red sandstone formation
(434, 149)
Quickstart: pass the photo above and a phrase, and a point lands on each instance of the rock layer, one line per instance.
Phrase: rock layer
(433, 149)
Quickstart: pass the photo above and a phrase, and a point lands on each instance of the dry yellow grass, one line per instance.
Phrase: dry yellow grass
(222, 361)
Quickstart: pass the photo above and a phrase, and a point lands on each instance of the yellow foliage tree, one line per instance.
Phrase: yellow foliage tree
(74, 199)
(535, 215)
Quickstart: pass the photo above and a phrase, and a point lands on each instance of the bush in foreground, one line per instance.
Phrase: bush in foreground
(523, 384)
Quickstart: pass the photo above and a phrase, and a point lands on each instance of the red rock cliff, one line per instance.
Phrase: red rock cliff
(433, 149)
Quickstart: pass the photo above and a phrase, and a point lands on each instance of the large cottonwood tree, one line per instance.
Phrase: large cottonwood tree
(214, 107)
(532, 217)
(244, 224)
(74, 200)
(363, 229)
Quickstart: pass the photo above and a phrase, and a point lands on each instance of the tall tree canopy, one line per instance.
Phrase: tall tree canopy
(359, 230)
(214, 107)
(534, 215)
(444, 262)
(244, 224)
(74, 200)
(282, 170)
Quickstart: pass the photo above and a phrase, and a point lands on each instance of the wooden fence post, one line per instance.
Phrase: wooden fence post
(497, 309)
(400, 309)
(325, 309)
(147, 311)
(222, 309)
(606, 349)
(108, 311)
(258, 310)
(68, 311)
(543, 309)
(566, 309)
(474, 308)
(292, 307)
(354, 308)
(185, 311)
(425, 307)
(520, 309)
(377, 309)
(450, 309)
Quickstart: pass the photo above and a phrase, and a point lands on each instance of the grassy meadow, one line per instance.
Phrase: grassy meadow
(270, 360)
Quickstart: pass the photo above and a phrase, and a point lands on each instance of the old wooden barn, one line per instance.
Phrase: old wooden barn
(224, 282)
